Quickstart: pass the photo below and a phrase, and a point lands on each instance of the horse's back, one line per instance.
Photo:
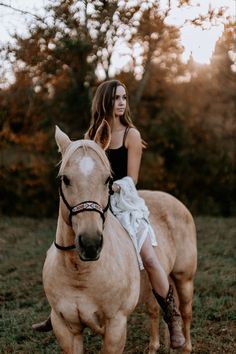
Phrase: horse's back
(175, 231)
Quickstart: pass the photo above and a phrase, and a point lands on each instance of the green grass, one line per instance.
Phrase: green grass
(23, 245)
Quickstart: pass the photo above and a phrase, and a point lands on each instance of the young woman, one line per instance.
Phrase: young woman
(124, 153)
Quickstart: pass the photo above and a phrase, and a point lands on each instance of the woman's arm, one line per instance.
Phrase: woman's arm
(134, 145)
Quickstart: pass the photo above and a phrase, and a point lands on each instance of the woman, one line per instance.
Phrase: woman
(124, 153)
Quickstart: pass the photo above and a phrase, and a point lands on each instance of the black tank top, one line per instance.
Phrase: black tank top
(119, 159)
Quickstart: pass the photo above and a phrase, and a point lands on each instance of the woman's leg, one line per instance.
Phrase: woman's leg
(163, 293)
(156, 273)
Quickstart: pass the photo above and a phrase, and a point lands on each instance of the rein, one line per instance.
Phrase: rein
(87, 205)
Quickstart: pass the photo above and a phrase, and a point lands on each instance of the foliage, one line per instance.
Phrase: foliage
(186, 113)
(24, 243)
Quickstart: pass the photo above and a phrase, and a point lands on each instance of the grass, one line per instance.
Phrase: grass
(23, 245)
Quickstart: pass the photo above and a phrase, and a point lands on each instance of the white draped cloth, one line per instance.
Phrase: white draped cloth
(132, 212)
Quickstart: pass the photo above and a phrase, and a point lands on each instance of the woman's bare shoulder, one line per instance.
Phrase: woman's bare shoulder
(133, 133)
(133, 136)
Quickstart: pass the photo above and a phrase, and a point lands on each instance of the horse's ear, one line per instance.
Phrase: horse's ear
(103, 135)
(62, 140)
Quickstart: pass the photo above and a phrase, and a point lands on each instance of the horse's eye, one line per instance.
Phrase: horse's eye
(66, 180)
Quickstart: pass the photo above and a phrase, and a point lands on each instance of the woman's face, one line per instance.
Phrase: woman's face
(119, 101)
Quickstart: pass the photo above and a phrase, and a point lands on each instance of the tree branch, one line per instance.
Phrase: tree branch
(22, 11)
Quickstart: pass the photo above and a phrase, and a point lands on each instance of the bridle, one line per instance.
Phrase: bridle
(88, 205)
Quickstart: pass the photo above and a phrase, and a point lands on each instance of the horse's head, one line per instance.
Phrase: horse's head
(85, 176)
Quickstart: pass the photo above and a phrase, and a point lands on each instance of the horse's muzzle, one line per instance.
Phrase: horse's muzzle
(89, 247)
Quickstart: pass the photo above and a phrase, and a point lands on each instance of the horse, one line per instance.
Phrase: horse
(91, 275)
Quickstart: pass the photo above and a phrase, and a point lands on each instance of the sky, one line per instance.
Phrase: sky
(200, 43)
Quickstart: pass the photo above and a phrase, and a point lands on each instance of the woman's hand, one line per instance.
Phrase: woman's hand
(116, 188)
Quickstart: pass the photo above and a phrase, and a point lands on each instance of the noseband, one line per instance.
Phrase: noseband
(87, 205)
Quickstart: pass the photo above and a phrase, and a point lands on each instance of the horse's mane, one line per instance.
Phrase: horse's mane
(85, 144)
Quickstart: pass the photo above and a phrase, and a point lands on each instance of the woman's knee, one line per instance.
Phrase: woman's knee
(150, 263)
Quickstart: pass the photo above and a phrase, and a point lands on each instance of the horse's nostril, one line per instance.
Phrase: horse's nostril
(80, 241)
(101, 241)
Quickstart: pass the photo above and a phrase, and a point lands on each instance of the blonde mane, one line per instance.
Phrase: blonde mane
(85, 144)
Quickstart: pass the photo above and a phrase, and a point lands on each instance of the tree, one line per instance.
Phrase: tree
(57, 66)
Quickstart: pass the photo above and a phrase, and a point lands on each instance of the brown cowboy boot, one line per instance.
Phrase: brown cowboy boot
(172, 317)
(45, 326)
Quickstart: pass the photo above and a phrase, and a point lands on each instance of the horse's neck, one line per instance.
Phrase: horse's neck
(114, 236)
(64, 234)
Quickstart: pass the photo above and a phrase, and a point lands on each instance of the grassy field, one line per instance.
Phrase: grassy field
(23, 243)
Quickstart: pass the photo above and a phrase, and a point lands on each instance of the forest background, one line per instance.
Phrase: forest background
(185, 111)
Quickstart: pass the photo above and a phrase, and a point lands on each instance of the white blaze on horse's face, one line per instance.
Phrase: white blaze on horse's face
(86, 165)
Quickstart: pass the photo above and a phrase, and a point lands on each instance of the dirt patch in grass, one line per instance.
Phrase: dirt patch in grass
(23, 245)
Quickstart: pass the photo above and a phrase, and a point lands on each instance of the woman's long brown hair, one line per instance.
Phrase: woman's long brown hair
(103, 105)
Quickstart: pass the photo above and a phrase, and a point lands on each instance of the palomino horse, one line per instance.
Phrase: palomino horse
(91, 275)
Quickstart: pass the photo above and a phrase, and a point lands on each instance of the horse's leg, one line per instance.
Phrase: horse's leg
(184, 289)
(70, 343)
(115, 335)
(153, 313)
